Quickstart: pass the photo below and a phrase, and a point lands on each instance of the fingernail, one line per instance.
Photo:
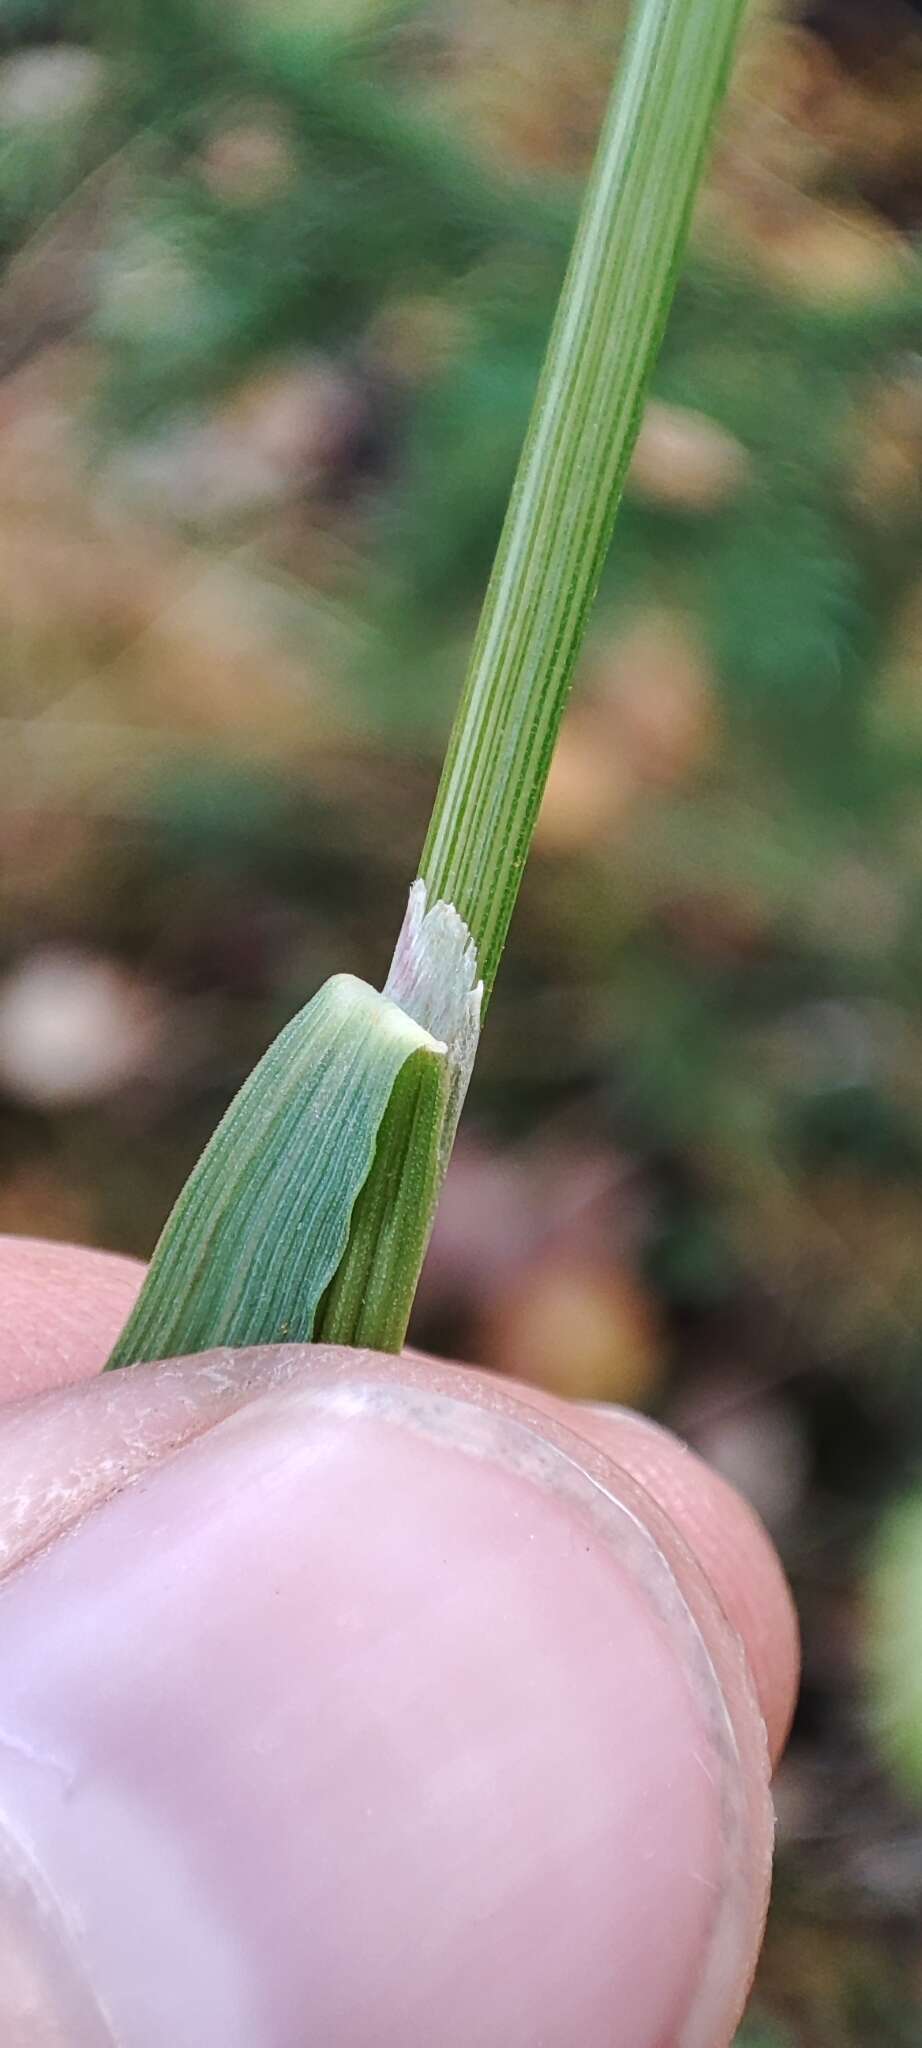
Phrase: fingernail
(730, 1543)
(377, 1714)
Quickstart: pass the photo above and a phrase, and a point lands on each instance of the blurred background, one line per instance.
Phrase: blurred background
(277, 278)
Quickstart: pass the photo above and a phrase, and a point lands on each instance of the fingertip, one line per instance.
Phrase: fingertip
(63, 1307)
(533, 1742)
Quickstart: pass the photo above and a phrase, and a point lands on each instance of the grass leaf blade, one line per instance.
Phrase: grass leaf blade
(263, 1221)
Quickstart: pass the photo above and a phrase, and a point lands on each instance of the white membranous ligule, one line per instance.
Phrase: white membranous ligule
(433, 977)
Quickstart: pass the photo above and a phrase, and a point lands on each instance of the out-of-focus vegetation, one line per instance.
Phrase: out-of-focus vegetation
(277, 279)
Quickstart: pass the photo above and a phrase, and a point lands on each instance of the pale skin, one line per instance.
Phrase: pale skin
(357, 1702)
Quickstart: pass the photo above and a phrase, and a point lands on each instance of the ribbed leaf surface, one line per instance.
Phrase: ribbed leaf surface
(263, 1221)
